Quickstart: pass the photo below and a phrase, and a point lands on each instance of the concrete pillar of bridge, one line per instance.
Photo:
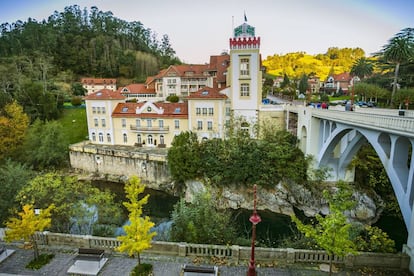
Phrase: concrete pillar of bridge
(409, 247)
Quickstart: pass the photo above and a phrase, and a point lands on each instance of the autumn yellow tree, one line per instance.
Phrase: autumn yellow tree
(138, 235)
(27, 225)
(13, 126)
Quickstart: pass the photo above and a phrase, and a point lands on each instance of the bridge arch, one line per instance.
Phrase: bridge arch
(344, 142)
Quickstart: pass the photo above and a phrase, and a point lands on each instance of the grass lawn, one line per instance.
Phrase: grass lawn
(74, 123)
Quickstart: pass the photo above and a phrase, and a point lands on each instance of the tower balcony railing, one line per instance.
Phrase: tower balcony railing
(158, 129)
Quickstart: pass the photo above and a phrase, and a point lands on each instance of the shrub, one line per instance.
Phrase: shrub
(42, 260)
(142, 270)
(76, 100)
(173, 98)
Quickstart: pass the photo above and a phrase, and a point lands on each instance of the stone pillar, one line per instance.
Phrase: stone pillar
(235, 254)
(290, 257)
(349, 261)
(182, 246)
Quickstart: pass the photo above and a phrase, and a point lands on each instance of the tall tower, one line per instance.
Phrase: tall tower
(245, 75)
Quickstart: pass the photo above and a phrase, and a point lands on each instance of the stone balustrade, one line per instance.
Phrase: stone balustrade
(235, 254)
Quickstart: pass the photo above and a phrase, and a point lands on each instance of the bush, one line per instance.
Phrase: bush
(42, 260)
(76, 100)
(103, 230)
(142, 270)
(173, 98)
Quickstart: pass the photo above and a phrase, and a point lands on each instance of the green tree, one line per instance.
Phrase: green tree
(74, 201)
(13, 125)
(372, 92)
(78, 89)
(173, 98)
(371, 175)
(398, 50)
(332, 232)
(403, 97)
(13, 176)
(362, 68)
(201, 222)
(286, 81)
(183, 157)
(28, 224)
(373, 239)
(45, 145)
(138, 234)
(303, 84)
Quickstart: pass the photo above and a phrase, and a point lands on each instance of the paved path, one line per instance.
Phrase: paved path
(163, 266)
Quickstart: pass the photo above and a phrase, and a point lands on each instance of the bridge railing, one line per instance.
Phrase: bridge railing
(397, 124)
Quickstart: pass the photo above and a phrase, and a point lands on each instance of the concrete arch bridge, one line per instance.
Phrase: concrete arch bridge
(333, 137)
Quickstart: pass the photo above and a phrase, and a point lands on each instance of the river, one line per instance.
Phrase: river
(272, 229)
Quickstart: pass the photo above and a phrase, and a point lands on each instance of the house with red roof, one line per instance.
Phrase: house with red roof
(338, 82)
(209, 112)
(139, 91)
(93, 85)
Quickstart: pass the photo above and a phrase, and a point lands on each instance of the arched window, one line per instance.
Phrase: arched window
(139, 139)
(162, 139)
(93, 136)
(125, 138)
(100, 135)
(108, 137)
(150, 141)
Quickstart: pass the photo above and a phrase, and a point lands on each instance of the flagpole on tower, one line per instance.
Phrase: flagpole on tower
(232, 24)
(245, 17)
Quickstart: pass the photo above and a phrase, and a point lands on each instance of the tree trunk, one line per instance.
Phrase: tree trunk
(139, 259)
(394, 85)
(35, 249)
(330, 264)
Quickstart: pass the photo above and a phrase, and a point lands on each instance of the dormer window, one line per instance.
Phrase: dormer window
(204, 93)
(177, 110)
(149, 109)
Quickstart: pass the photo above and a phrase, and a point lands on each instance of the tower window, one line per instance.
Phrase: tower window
(244, 67)
(244, 90)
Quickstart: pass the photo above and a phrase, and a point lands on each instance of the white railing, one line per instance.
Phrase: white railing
(395, 124)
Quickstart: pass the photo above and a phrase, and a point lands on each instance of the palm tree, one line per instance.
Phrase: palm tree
(400, 49)
(362, 68)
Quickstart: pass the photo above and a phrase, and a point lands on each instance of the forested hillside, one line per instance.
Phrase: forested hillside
(334, 61)
(40, 61)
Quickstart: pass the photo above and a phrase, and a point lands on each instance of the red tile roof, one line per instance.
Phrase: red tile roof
(174, 110)
(94, 81)
(196, 69)
(219, 64)
(105, 94)
(342, 77)
(136, 88)
(207, 93)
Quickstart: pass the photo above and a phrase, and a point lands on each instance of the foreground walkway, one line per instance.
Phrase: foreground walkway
(120, 265)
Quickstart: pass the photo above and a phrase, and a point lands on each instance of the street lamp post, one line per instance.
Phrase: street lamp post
(254, 219)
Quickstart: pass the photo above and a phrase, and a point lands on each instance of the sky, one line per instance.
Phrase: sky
(200, 28)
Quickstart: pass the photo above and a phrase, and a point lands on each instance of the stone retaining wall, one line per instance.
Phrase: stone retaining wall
(121, 162)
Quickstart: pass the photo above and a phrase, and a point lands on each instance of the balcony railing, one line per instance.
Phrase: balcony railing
(157, 129)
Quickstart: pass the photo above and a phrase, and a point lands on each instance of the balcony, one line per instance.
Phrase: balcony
(158, 129)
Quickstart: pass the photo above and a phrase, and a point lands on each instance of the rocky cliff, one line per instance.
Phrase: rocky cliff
(283, 199)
